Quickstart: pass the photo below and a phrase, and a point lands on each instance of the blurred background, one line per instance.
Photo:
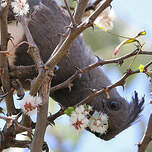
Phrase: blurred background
(131, 17)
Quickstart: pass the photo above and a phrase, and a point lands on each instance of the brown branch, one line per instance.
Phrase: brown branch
(147, 137)
(4, 74)
(93, 5)
(6, 118)
(70, 14)
(51, 118)
(25, 124)
(120, 82)
(146, 66)
(79, 11)
(20, 143)
(34, 52)
(100, 9)
(24, 72)
(20, 128)
(62, 50)
(7, 136)
(77, 74)
(41, 122)
(42, 81)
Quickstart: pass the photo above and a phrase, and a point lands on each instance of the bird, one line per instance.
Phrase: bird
(47, 23)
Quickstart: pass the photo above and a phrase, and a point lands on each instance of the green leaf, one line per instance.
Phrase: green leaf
(85, 106)
(69, 111)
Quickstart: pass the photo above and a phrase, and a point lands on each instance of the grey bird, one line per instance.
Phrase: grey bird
(46, 23)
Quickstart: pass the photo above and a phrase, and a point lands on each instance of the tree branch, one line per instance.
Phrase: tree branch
(4, 63)
(40, 128)
(120, 60)
(70, 14)
(93, 6)
(106, 90)
(62, 50)
(79, 11)
(147, 137)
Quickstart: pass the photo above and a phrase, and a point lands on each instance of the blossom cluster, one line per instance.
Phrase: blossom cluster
(99, 122)
(81, 118)
(20, 7)
(29, 104)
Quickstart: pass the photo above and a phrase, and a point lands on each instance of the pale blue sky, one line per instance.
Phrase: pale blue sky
(137, 13)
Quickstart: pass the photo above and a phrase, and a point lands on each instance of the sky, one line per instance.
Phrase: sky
(136, 13)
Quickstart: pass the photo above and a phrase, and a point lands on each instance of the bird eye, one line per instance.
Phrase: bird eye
(113, 105)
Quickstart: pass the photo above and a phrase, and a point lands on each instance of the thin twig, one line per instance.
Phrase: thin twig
(62, 50)
(20, 143)
(106, 90)
(51, 118)
(100, 9)
(93, 5)
(34, 52)
(4, 74)
(119, 60)
(120, 82)
(40, 127)
(23, 72)
(79, 11)
(146, 66)
(70, 14)
(139, 49)
(147, 137)
(44, 81)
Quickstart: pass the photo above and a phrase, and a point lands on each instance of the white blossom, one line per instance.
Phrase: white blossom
(79, 118)
(80, 109)
(105, 19)
(79, 121)
(99, 122)
(20, 7)
(3, 3)
(29, 104)
(89, 108)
